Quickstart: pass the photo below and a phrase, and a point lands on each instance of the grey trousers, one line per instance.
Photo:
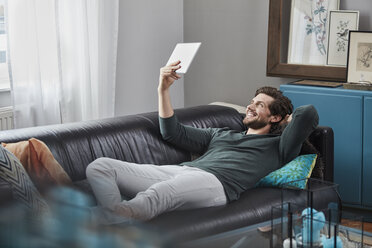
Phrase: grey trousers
(152, 189)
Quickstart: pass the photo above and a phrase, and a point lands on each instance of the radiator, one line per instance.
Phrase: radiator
(6, 118)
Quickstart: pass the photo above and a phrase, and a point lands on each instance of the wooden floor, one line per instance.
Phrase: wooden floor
(353, 224)
(367, 226)
(366, 214)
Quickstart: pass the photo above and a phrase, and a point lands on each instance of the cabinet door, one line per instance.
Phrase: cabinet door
(343, 114)
(367, 153)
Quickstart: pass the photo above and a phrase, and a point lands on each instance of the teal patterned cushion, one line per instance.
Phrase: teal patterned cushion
(291, 173)
(23, 190)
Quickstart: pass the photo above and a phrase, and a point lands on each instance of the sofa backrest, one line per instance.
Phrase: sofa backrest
(134, 138)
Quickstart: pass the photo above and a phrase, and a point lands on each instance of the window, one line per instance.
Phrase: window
(4, 72)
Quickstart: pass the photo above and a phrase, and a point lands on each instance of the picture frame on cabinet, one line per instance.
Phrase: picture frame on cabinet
(308, 32)
(340, 23)
(359, 62)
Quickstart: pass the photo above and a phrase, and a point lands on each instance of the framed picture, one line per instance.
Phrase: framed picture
(359, 62)
(308, 33)
(340, 23)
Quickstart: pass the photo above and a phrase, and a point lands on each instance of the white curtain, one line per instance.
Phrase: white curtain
(63, 59)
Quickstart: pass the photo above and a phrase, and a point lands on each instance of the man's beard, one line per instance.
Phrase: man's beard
(255, 124)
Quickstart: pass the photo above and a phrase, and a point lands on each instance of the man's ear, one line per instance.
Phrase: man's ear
(276, 118)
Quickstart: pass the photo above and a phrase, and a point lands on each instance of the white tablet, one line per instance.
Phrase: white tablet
(185, 52)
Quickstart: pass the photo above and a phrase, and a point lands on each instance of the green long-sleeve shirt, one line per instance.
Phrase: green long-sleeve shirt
(238, 160)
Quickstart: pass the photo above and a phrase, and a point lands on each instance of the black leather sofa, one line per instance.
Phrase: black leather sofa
(136, 138)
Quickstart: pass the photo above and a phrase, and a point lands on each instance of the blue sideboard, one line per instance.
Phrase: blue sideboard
(349, 113)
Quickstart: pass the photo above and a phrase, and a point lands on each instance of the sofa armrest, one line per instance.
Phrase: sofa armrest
(323, 140)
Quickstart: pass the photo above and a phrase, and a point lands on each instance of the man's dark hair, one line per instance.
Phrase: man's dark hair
(280, 106)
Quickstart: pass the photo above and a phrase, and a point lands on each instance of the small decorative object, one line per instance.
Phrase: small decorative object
(359, 63)
(330, 243)
(308, 34)
(287, 243)
(340, 23)
(312, 223)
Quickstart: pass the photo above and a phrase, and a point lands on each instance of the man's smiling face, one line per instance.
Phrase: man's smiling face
(258, 114)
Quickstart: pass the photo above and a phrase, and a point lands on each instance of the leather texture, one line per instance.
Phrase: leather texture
(136, 138)
(254, 206)
(323, 139)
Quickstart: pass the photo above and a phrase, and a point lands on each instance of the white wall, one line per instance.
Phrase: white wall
(231, 63)
(148, 32)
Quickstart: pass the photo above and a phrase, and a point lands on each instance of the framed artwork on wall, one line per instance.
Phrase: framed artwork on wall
(276, 59)
(308, 33)
(359, 62)
(340, 23)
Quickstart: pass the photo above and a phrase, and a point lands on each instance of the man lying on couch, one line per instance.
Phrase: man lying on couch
(232, 161)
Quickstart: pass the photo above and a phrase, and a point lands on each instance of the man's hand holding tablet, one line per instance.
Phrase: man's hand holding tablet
(179, 62)
(168, 74)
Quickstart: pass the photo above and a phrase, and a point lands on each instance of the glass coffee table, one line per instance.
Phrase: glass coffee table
(250, 236)
(260, 236)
